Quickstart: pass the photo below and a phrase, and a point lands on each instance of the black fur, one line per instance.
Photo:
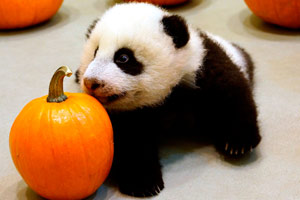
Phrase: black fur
(221, 108)
(91, 28)
(132, 66)
(231, 101)
(95, 52)
(77, 76)
(136, 164)
(175, 26)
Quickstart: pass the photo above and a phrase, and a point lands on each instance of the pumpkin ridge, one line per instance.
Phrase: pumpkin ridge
(38, 131)
(54, 151)
(51, 137)
(16, 140)
(81, 140)
(53, 148)
(91, 121)
(26, 140)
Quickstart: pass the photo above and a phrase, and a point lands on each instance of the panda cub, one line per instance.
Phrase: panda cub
(156, 76)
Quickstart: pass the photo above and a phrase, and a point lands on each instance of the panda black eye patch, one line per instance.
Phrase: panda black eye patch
(126, 61)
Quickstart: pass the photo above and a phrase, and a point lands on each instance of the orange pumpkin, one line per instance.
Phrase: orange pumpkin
(281, 12)
(62, 145)
(23, 13)
(160, 2)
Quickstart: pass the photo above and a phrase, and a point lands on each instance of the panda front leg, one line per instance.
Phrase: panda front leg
(136, 167)
(234, 115)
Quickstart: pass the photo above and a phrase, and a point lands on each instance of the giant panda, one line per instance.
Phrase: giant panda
(158, 76)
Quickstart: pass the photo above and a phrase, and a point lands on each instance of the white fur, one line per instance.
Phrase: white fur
(232, 52)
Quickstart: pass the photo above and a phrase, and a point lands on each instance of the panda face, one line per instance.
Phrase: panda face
(130, 60)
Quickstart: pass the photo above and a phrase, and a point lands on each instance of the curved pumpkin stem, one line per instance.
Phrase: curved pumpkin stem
(56, 87)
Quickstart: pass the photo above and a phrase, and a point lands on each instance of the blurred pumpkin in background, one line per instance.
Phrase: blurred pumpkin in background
(160, 2)
(22, 13)
(280, 12)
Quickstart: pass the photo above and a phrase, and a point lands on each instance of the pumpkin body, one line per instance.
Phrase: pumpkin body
(63, 150)
(22, 13)
(160, 2)
(280, 12)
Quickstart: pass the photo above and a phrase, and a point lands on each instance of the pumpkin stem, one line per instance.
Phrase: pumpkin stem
(56, 88)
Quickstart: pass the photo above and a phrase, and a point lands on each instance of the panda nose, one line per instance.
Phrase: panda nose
(93, 84)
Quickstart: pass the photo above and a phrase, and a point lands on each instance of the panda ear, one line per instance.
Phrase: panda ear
(176, 27)
(91, 28)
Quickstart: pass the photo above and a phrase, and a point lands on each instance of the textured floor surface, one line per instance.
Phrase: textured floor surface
(29, 57)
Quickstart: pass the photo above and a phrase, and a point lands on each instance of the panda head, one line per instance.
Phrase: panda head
(135, 54)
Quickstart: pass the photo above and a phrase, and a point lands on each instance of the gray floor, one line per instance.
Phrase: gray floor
(29, 57)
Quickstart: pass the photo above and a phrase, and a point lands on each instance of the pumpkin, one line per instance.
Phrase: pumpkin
(280, 12)
(62, 144)
(160, 2)
(22, 13)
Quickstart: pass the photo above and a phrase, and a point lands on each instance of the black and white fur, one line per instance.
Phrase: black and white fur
(157, 75)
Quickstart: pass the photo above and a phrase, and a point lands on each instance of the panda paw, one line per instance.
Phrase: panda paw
(144, 188)
(238, 146)
(236, 150)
